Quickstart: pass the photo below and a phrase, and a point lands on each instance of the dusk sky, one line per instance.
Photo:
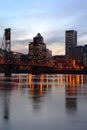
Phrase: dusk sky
(51, 18)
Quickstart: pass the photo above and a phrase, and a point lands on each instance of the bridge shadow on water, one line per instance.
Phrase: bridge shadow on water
(6, 86)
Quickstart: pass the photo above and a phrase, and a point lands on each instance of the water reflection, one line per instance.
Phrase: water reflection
(38, 88)
(39, 85)
(43, 99)
(6, 97)
(74, 83)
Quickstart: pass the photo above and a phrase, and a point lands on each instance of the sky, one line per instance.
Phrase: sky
(50, 18)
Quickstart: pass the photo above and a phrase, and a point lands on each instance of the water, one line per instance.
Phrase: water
(43, 102)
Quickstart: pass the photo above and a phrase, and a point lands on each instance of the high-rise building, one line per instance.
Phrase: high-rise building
(38, 39)
(70, 41)
(76, 53)
(37, 49)
(48, 54)
(85, 55)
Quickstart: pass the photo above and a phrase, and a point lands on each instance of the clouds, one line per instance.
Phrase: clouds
(50, 18)
(20, 45)
(55, 36)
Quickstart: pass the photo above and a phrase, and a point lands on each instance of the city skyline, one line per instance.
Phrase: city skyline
(50, 18)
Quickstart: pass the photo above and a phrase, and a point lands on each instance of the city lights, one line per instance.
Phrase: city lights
(40, 60)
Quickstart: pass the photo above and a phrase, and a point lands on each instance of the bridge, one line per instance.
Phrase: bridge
(9, 68)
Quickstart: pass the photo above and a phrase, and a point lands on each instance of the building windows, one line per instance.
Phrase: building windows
(70, 41)
(37, 49)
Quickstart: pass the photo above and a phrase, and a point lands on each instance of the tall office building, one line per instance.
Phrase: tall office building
(37, 49)
(76, 53)
(70, 41)
(48, 55)
(85, 55)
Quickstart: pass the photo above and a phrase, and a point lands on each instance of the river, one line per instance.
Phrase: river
(43, 102)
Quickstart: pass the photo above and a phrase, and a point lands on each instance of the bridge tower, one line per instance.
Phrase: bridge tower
(6, 42)
(8, 39)
(7, 48)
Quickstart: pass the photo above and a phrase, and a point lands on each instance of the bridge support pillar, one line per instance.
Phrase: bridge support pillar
(8, 71)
